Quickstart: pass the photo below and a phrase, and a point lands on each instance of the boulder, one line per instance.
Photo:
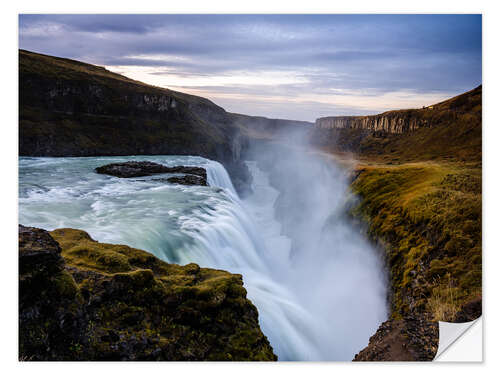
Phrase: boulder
(146, 168)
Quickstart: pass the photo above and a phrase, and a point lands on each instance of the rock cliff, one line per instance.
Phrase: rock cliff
(404, 121)
(450, 130)
(390, 122)
(84, 300)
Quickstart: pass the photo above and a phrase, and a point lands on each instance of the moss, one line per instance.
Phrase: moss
(65, 285)
(154, 310)
(430, 215)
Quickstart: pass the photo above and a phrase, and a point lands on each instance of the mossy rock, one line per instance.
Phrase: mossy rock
(429, 214)
(126, 304)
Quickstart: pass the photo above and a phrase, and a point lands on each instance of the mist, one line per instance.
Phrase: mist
(313, 248)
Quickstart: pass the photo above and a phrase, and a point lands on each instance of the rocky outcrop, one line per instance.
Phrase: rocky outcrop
(194, 175)
(391, 122)
(408, 120)
(450, 130)
(84, 300)
(408, 339)
(146, 168)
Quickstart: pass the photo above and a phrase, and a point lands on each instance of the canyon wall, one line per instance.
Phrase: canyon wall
(391, 122)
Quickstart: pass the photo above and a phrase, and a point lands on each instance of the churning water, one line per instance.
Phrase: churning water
(318, 285)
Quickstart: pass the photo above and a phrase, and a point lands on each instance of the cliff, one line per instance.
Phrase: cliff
(404, 121)
(84, 300)
(390, 122)
(450, 130)
(420, 198)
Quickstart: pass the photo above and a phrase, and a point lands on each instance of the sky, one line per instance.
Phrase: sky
(281, 66)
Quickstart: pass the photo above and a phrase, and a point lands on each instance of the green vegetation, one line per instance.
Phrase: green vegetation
(115, 302)
(429, 214)
(69, 108)
(421, 197)
(453, 133)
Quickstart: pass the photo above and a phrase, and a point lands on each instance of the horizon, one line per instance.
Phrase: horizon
(297, 67)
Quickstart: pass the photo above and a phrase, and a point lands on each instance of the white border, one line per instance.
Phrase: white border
(8, 147)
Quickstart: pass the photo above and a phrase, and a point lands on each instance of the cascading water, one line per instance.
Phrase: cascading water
(317, 300)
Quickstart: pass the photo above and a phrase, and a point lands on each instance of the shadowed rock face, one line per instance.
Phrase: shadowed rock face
(408, 120)
(84, 300)
(410, 339)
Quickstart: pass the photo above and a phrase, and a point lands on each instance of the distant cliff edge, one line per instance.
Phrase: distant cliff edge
(406, 120)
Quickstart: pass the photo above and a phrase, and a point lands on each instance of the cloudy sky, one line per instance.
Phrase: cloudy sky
(283, 66)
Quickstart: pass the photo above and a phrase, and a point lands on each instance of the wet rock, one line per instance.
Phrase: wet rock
(188, 180)
(146, 168)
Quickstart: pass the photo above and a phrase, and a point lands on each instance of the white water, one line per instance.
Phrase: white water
(321, 301)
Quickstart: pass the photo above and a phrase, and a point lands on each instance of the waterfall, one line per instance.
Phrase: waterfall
(316, 283)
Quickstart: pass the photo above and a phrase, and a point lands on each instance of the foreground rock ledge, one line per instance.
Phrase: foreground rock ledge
(193, 175)
(84, 300)
(408, 339)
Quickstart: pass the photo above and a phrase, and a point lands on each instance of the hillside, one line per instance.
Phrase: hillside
(450, 130)
(420, 199)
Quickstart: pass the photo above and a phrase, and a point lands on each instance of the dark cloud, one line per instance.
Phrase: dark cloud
(374, 54)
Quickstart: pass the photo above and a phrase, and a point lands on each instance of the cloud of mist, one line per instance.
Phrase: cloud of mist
(335, 273)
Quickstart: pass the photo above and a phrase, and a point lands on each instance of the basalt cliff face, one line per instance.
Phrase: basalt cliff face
(390, 122)
(84, 300)
(404, 121)
(450, 130)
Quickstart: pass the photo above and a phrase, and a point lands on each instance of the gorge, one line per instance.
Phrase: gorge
(335, 227)
(213, 228)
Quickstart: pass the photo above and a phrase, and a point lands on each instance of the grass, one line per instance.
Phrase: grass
(453, 134)
(430, 215)
(443, 302)
(421, 195)
(186, 312)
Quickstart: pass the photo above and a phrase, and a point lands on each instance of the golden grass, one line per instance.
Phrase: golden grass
(430, 215)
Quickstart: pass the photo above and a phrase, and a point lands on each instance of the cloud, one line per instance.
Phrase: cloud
(240, 59)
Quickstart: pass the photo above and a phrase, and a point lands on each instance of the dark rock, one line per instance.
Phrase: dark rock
(83, 300)
(408, 339)
(132, 169)
(146, 168)
(188, 180)
(50, 309)
(470, 311)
